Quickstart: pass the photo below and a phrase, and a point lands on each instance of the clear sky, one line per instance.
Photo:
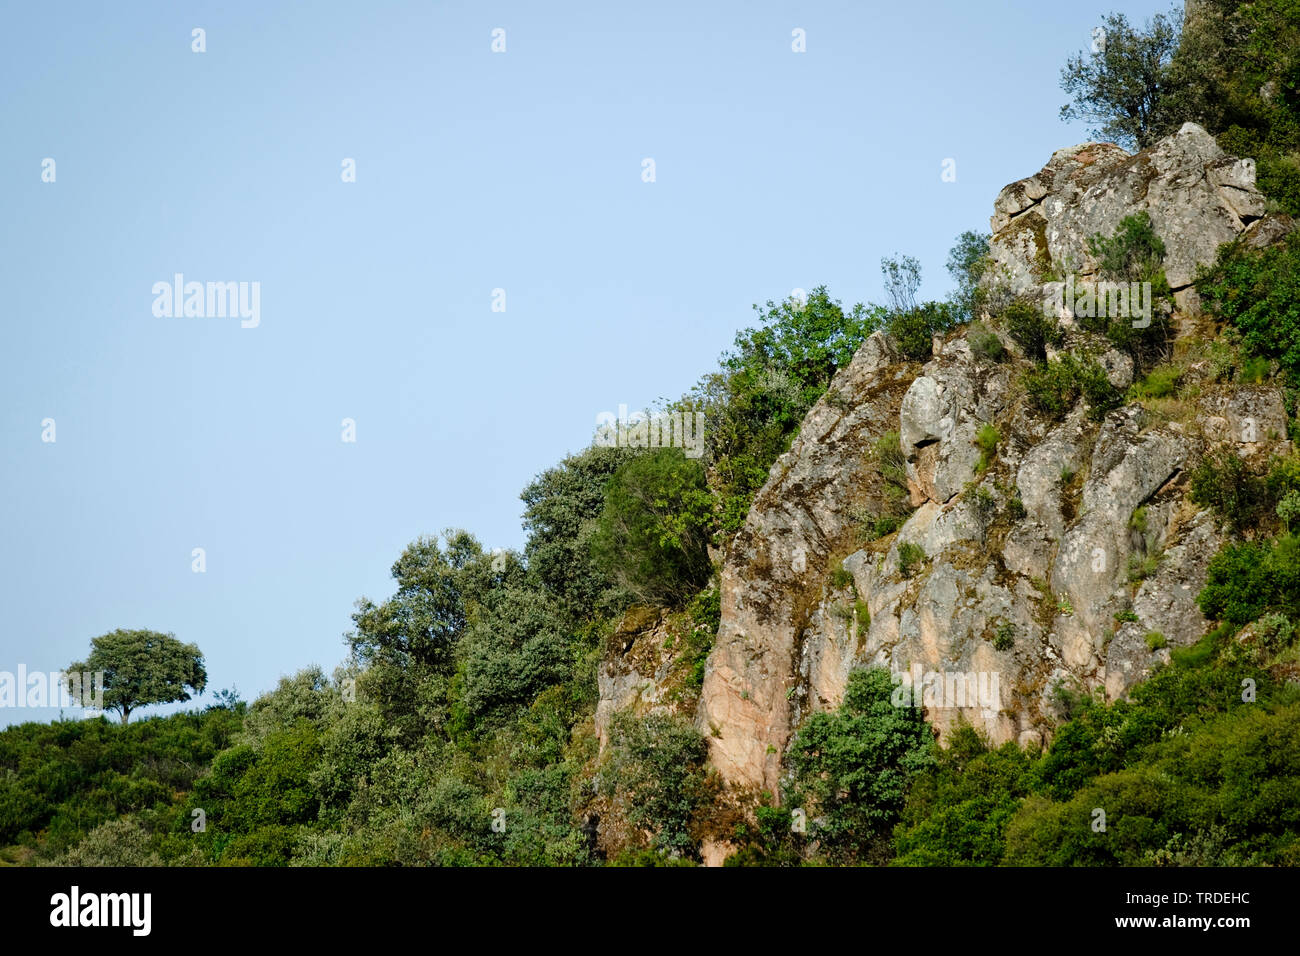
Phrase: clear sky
(475, 171)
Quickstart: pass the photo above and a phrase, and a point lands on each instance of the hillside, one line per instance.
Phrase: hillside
(1009, 578)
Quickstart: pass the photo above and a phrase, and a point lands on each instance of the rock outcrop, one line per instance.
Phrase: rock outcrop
(771, 582)
(1047, 552)
(1197, 196)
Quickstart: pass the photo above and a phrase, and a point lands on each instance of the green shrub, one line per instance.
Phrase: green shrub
(1005, 637)
(1141, 567)
(1288, 509)
(560, 506)
(968, 262)
(652, 536)
(910, 557)
(914, 330)
(1276, 633)
(1161, 382)
(852, 767)
(1155, 640)
(1238, 496)
(1054, 387)
(1247, 580)
(986, 439)
(755, 402)
(885, 525)
(121, 842)
(705, 609)
(656, 763)
(1031, 329)
(1134, 252)
(1253, 371)
(1138, 520)
(862, 613)
(985, 345)
(887, 456)
(1279, 180)
(956, 814)
(840, 577)
(1258, 293)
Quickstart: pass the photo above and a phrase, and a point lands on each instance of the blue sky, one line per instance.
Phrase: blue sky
(475, 171)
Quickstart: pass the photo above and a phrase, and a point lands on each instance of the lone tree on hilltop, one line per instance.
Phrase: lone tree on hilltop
(140, 667)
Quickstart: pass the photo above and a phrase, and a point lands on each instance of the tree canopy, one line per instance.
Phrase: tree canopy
(140, 667)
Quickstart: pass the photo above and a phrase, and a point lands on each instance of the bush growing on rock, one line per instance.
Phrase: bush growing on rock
(1237, 494)
(652, 537)
(910, 558)
(914, 330)
(1133, 254)
(1258, 293)
(657, 763)
(1250, 579)
(986, 438)
(756, 401)
(985, 345)
(968, 262)
(912, 325)
(852, 767)
(1031, 329)
(1054, 387)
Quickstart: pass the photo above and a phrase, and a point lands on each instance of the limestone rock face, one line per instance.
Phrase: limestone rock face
(642, 670)
(940, 417)
(1127, 468)
(1102, 550)
(1197, 195)
(1064, 551)
(773, 575)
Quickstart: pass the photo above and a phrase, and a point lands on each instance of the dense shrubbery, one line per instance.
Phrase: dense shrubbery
(1241, 495)
(852, 767)
(657, 766)
(1250, 579)
(1162, 765)
(60, 781)
(1055, 387)
(653, 533)
(1237, 73)
(755, 402)
(956, 815)
(561, 506)
(1258, 293)
(1031, 329)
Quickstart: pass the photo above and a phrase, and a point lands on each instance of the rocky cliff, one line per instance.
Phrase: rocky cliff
(1039, 551)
